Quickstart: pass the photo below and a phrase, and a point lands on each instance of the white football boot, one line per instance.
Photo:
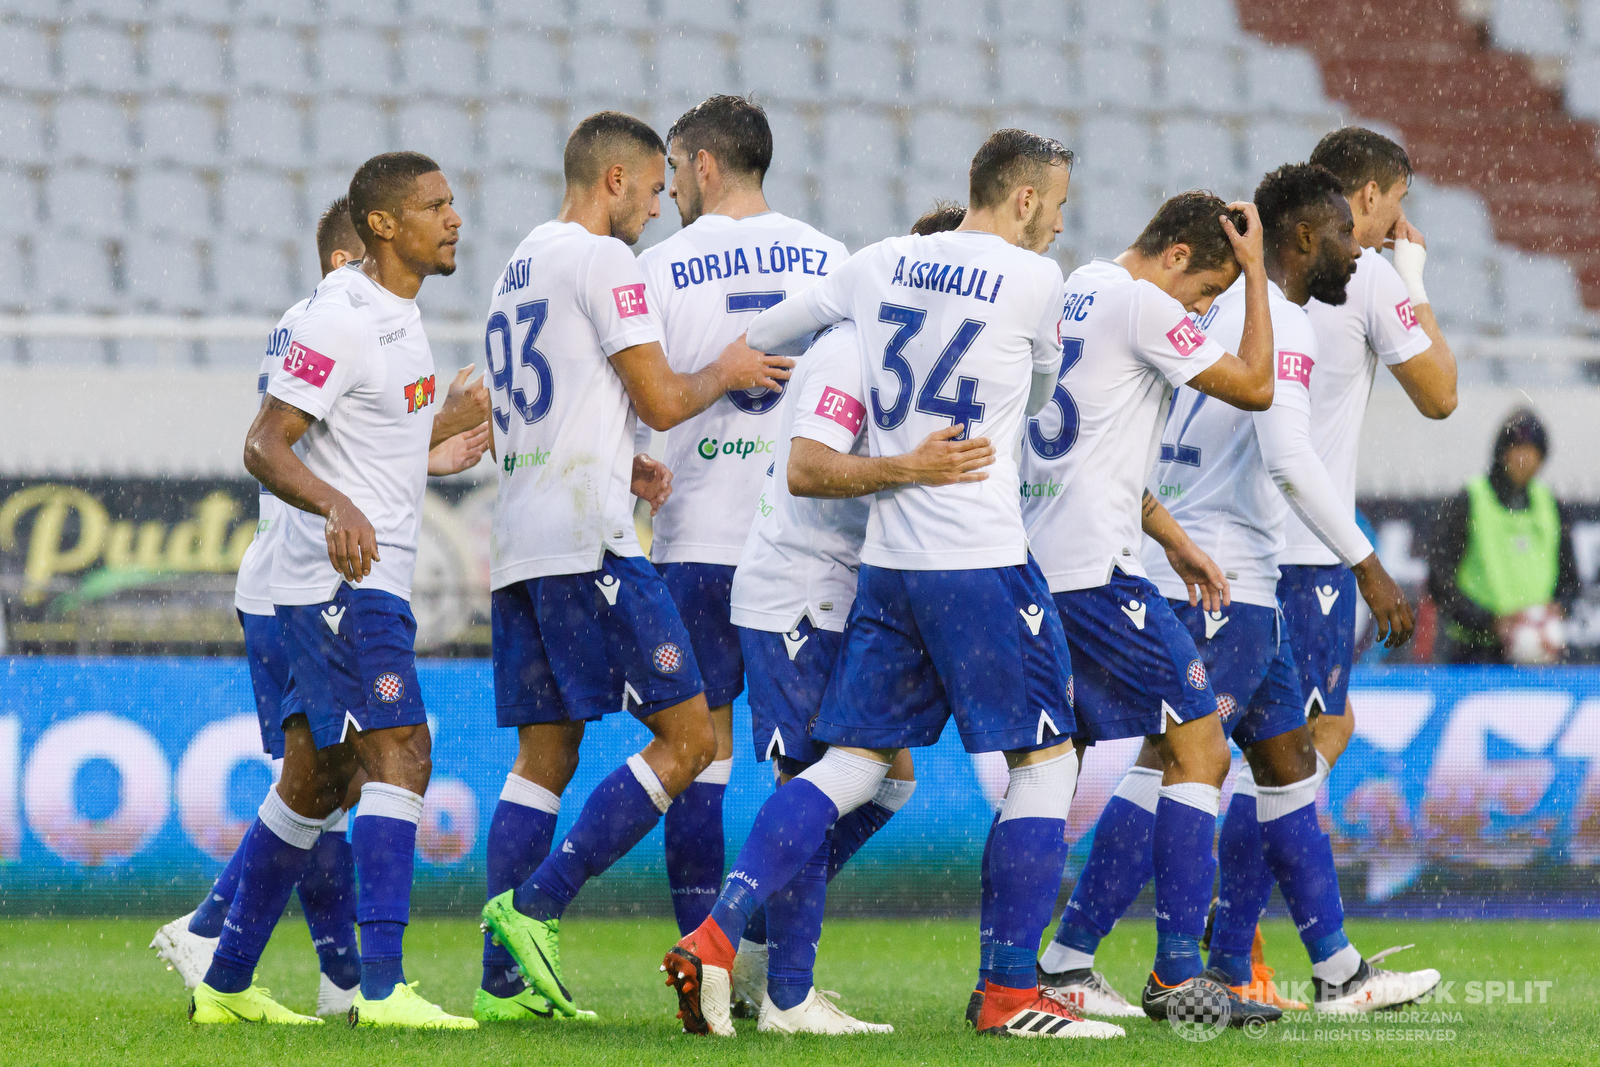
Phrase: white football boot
(817, 1014)
(1090, 993)
(1372, 988)
(749, 979)
(188, 954)
(331, 1000)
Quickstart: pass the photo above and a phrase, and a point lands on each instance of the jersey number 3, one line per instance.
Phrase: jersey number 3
(963, 409)
(1059, 445)
(533, 314)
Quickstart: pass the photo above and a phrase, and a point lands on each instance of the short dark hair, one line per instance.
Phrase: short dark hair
(945, 215)
(1010, 158)
(733, 129)
(382, 184)
(596, 140)
(1194, 219)
(1287, 195)
(1357, 156)
(336, 232)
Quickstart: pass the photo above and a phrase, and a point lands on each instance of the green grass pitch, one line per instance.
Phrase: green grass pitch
(89, 991)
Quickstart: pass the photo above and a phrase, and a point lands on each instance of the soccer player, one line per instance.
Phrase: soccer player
(350, 417)
(582, 624)
(733, 257)
(791, 594)
(1127, 342)
(958, 330)
(1386, 317)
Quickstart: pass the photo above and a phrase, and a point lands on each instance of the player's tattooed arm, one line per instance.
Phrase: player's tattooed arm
(664, 398)
(269, 457)
(1207, 585)
(815, 470)
(465, 407)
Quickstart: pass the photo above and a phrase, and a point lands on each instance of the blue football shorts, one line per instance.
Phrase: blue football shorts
(789, 673)
(1251, 664)
(703, 593)
(268, 660)
(1319, 606)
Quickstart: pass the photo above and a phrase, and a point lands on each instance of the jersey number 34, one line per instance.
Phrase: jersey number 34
(963, 409)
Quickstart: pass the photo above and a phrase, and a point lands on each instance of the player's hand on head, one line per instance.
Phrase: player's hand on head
(1249, 246)
(942, 460)
(459, 453)
(745, 368)
(352, 542)
(652, 482)
(1208, 586)
(1391, 613)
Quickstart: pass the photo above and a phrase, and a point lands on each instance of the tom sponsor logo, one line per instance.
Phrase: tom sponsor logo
(419, 394)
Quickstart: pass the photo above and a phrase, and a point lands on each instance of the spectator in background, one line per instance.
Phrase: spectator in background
(1501, 569)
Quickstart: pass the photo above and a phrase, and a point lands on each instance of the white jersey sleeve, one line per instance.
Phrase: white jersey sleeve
(1166, 339)
(802, 554)
(1393, 331)
(252, 590)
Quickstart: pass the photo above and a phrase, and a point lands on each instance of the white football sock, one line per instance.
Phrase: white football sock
(1339, 967)
(1058, 957)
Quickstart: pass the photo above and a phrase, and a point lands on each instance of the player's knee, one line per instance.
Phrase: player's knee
(846, 779)
(1199, 755)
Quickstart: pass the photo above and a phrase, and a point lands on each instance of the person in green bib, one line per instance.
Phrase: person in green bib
(1501, 569)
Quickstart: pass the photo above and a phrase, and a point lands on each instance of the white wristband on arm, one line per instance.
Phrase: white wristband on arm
(1408, 260)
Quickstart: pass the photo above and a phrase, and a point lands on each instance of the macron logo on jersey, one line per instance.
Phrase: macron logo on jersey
(308, 364)
(1186, 337)
(1294, 367)
(1408, 317)
(630, 300)
(842, 408)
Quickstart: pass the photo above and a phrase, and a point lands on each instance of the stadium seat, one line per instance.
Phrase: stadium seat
(354, 60)
(22, 132)
(1200, 76)
(279, 13)
(98, 57)
(922, 190)
(92, 128)
(1125, 21)
(25, 59)
(1110, 214)
(782, 67)
(440, 130)
(267, 130)
(85, 201)
(323, 186)
(1538, 27)
(1284, 80)
(793, 147)
(253, 277)
(1116, 75)
(1028, 20)
(257, 205)
(18, 193)
(527, 64)
(859, 21)
(857, 209)
(942, 145)
(13, 283)
(789, 193)
(346, 133)
(609, 70)
(1201, 154)
(1452, 220)
(1588, 26)
(619, 16)
(1539, 294)
(523, 136)
(514, 203)
(271, 58)
(376, 13)
(72, 272)
(1214, 21)
(195, 12)
(1583, 87)
(689, 68)
(1271, 142)
(860, 142)
(184, 59)
(31, 9)
(441, 62)
(1037, 72)
(1460, 291)
(711, 16)
(456, 13)
(107, 10)
(178, 130)
(863, 70)
(164, 274)
(1114, 146)
(959, 19)
(172, 201)
(951, 72)
(799, 17)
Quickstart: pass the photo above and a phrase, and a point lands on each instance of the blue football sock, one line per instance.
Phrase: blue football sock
(796, 918)
(1026, 859)
(1117, 869)
(788, 829)
(328, 898)
(1244, 884)
(276, 851)
(756, 929)
(207, 918)
(694, 849)
(385, 843)
(986, 909)
(1184, 863)
(519, 838)
(617, 816)
(852, 831)
(1301, 857)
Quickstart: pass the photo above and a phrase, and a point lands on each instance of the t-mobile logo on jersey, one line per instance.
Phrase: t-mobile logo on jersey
(1408, 317)
(1186, 337)
(842, 408)
(1294, 367)
(630, 300)
(308, 364)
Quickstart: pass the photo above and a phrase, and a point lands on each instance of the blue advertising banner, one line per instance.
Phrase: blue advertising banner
(126, 783)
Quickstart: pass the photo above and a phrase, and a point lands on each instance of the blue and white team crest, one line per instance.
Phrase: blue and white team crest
(1197, 674)
(667, 658)
(388, 687)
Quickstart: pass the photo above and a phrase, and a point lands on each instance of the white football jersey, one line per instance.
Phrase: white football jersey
(252, 590)
(1125, 346)
(801, 557)
(1374, 323)
(953, 327)
(706, 283)
(566, 303)
(358, 362)
(1210, 474)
